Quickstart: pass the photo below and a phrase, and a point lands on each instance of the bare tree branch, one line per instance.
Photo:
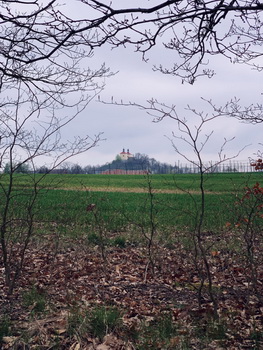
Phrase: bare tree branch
(195, 30)
(250, 114)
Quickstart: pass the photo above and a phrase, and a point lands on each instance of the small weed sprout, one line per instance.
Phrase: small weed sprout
(119, 241)
(98, 322)
(103, 320)
(76, 323)
(4, 327)
(35, 300)
(159, 333)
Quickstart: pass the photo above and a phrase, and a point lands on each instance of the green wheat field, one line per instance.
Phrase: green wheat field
(171, 202)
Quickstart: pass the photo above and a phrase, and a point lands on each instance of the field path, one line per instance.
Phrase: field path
(132, 190)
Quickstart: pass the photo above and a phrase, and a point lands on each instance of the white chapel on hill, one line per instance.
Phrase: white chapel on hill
(125, 155)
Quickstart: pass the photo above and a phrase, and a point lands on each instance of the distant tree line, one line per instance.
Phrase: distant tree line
(19, 168)
(140, 162)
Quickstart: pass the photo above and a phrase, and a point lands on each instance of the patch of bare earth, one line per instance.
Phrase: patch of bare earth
(133, 190)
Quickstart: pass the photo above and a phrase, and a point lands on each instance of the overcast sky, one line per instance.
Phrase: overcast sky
(131, 128)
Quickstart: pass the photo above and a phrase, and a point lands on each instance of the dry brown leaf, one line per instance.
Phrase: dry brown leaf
(118, 269)
(9, 340)
(60, 331)
(75, 346)
(109, 339)
(174, 341)
(102, 347)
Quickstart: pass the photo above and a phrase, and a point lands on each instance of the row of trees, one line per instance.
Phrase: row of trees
(143, 163)
(151, 165)
(138, 162)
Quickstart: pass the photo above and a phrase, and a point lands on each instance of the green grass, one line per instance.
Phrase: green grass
(223, 182)
(97, 322)
(103, 320)
(34, 300)
(157, 334)
(5, 326)
(119, 210)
